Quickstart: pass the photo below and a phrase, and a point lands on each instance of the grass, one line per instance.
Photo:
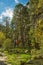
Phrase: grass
(15, 59)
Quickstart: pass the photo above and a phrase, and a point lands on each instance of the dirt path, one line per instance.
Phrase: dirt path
(2, 59)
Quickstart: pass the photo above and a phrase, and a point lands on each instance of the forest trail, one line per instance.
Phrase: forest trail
(2, 59)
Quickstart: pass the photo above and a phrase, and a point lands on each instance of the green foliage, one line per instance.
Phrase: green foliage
(7, 45)
(2, 38)
(15, 59)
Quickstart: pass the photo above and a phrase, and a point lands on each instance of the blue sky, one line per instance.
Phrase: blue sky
(7, 6)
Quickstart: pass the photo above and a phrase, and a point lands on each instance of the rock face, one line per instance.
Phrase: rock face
(2, 63)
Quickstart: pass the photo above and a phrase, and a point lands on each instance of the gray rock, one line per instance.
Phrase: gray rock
(29, 62)
(2, 63)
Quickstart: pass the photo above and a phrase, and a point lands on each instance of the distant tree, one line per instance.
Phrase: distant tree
(6, 21)
(20, 20)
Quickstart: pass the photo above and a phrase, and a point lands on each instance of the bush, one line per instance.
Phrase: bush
(2, 38)
(7, 45)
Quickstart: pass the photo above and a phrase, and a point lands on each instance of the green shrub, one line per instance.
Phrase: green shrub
(7, 45)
